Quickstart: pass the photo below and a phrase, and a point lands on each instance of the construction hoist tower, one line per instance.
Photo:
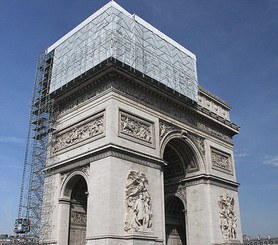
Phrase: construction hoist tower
(31, 194)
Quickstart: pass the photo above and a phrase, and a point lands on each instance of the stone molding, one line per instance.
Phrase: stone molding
(221, 161)
(128, 88)
(136, 129)
(107, 151)
(85, 169)
(89, 129)
(127, 237)
(207, 180)
(83, 96)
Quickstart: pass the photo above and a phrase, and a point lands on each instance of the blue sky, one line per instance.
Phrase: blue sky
(236, 44)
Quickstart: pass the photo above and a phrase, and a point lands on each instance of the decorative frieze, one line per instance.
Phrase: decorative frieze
(78, 133)
(221, 161)
(83, 98)
(132, 127)
(228, 219)
(145, 97)
(207, 128)
(78, 218)
(138, 203)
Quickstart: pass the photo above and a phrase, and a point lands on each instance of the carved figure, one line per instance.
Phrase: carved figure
(220, 160)
(138, 203)
(228, 220)
(80, 133)
(136, 128)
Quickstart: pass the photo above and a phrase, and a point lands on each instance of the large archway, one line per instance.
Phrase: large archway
(180, 160)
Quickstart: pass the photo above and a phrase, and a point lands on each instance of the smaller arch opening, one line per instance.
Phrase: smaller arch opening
(175, 222)
(78, 190)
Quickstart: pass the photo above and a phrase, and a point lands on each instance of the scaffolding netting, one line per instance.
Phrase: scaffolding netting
(113, 32)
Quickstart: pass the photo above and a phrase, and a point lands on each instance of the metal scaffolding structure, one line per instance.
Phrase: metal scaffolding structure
(113, 32)
(31, 194)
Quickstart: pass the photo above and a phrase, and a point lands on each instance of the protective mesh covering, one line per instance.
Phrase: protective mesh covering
(113, 32)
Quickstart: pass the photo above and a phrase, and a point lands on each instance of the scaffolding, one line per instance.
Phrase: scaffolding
(31, 194)
(113, 32)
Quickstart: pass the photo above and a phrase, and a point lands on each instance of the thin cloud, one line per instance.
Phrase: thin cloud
(272, 161)
(11, 139)
(241, 154)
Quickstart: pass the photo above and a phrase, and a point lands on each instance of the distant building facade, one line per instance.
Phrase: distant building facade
(247, 240)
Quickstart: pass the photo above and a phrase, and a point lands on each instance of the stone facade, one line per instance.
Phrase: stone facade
(153, 167)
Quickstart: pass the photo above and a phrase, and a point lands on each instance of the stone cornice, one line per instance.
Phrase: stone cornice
(114, 75)
(207, 179)
(109, 150)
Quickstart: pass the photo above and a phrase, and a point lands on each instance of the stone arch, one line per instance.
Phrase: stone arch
(182, 198)
(185, 147)
(73, 209)
(69, 181)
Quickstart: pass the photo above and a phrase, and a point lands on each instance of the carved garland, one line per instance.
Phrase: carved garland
(228, 219)
(79, 133)
(138, 203)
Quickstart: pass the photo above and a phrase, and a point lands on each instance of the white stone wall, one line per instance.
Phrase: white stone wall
(107, 207)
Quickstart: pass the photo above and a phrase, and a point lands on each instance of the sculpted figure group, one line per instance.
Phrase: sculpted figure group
(228, 220)
(138, 203)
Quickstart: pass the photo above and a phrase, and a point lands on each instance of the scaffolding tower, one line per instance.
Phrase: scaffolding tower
(31, 194)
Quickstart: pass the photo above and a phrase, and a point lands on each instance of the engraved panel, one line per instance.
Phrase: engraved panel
(221, 161)
(89, 129)
(78, 218)
(135, 128)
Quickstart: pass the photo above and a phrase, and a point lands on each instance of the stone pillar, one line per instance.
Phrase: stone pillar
(110, 217)
(64, 220)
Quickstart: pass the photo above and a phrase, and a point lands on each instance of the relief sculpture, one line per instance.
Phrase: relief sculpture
(136, 128)
(79, 133)
(228, 220)
(220, 161)
(138, 203)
